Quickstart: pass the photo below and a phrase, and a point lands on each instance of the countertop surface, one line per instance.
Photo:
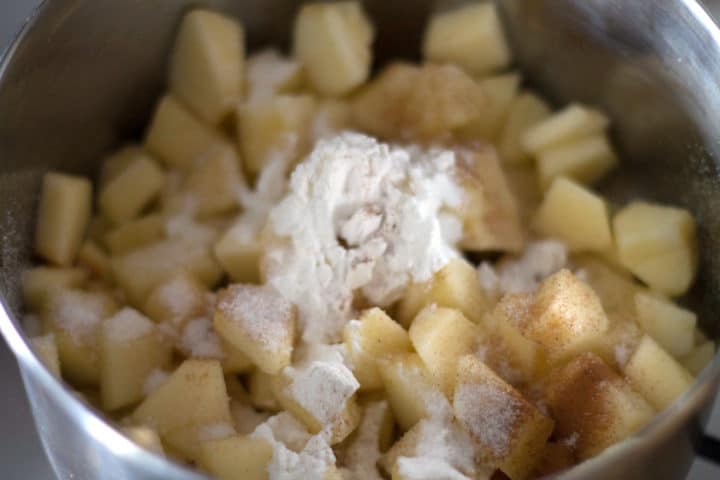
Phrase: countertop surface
(21, 454)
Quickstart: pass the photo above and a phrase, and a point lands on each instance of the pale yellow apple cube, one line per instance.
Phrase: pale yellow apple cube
(213, 184)
(38, 284)
(615, 287)
(369, 338)
(441, 336)
(177, 138)
(671, 326)
(575, 215)
(238, 251)
(245, 418)
(699, 357)
(75, 317)
(471, 37)
(566, 318)
(489, 210)
(570, 124)
(234, 360)
(508, 429)
(132, 189)
(117, 162)
(131, 347)
(373, 436)
(135, 234)
(500, 91)
(278, 125)
(259, 322)
(237, 458)
(658, 245)
(593, 406)
(656, 374)
(586, 160)
(139, 271)
(409, 388)
(46, 350)
(146, 437)
(442, 98)
(333, 42)
(332, 116)
(185, 442)
(526, 111)
(261, 391)
(269, 73)
(194, 394)
(504, 348)
(206, 67)
(456, 285)
(94, 259)
(63, 216)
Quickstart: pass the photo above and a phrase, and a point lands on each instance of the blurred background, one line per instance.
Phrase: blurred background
(21, 454)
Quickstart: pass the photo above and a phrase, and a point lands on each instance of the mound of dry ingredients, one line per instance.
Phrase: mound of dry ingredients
(360, 215)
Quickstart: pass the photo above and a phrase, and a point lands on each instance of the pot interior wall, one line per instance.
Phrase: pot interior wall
(87, 75)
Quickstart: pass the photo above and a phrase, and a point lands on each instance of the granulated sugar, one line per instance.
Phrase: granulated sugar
(540, 260)
(216, 431)
(263, 314)
(79, 314)
(489, 414)
(359, 215)
(245, 417)
(314, 461)
(422, 468)
(127, 324)
(199, 339)
(361, 455)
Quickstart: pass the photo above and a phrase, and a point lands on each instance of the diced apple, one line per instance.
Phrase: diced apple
(185, 442)
(511, 355)
(131, 347)
(46, 350)
(139, 271)
(656, 374)
(555, 458)
(332, 116)
(177, 138)
(333, 42)
(373, 436)
(619, 341)
(489, 211)
(471, 37)
(500, 91)
(594, 407)
(214, 183)
(614, 286)
(234, 360)
(409, 388)
(237, 458)
(63, 216)
(699, 357)
(238, 251)
(444, 98)
(38, 284)
(75, 317)
(586, 160)
(657, 244)
(246, 419)
(456, 285)
(279, 125)
(146, 437)
(206, 67)
(135, 234)
(94, 259)
(575, 215)
(132, 189)
(668, 324)
(116, 162)
(269, 73)
(566, 318)
(572, 123)
(259, 322)
(441, 336)
(526, 111)
(509, 430)
(261, 394)
(368, 339)
(194, 394)
(522, 180)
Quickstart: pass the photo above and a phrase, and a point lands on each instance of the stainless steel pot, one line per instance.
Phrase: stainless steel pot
(83, 75)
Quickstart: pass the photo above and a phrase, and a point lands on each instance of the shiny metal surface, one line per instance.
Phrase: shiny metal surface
(85, 73)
